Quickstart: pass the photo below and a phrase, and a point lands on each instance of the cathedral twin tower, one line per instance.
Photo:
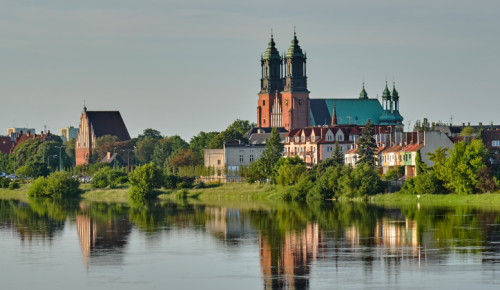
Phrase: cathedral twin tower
(284, 98)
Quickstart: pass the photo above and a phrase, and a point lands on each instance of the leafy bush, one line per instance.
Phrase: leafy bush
(4, 182)
(113, 184)
(200, 185)
(289, 174)
(146, 180)
(181, 194)
(171, 181)
(99, 180)
(121, 180)
(58, 184)
(182, 185)
(14, 185)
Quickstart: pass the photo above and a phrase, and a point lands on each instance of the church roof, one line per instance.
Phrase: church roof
(108, 123)
(359, 111)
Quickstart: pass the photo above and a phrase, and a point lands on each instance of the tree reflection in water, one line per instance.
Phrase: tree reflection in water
(292, 238)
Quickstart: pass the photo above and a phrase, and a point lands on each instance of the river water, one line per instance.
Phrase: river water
(195, 244)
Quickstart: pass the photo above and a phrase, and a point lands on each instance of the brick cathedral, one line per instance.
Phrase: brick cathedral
(284, 97)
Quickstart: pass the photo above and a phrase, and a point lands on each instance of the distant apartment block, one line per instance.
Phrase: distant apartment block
(14, 132)
(69, 133)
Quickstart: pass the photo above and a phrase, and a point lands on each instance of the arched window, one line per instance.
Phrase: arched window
(263, 102)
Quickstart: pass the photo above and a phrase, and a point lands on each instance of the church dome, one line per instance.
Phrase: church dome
(294, 50)
(271, 52)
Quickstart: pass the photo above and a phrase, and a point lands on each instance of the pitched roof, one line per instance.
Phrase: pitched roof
(23, 137)
(108, 123)
(359, 111)
(261, 138)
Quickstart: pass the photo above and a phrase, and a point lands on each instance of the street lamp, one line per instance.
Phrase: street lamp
(114, 160)
(60, 157)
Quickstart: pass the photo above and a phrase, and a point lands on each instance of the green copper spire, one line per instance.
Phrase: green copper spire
(271, 52)
(395, 94)
(386, 94)
(363, 94)
(294, 50)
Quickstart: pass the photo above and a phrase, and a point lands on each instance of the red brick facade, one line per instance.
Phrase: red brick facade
(85, 142)
(286, 109)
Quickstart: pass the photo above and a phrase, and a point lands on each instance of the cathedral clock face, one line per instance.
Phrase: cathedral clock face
(300, 102)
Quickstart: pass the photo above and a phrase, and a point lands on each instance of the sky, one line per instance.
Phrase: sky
(187, 66)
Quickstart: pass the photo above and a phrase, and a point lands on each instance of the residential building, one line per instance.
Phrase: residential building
(5, 144)
(284, 96)
(14, 132)
(95, 124)
(455, 130)
(69, 133)
(21, 137)
(229, 159)
(115, 157)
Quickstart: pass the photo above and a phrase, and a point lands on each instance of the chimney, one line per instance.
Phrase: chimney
(28, 133)
(463, 124)
(468, 124)
(480, 124)
(108, 155)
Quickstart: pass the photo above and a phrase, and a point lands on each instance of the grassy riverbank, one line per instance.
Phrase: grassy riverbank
(483, 199)
(256, 192)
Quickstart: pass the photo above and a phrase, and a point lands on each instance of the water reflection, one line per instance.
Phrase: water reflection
(293, 240)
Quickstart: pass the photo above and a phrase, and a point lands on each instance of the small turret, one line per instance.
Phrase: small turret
(334, 116)
(363, 94)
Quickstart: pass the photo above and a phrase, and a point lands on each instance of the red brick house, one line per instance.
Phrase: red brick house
(5, 144)
(95, 124)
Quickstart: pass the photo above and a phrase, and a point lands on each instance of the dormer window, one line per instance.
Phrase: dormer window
(340, 137)
(303, 138)
(329, 138)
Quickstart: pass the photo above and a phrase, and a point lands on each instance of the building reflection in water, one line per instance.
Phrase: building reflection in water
(287, 266)
(228, 224)
(102, 240)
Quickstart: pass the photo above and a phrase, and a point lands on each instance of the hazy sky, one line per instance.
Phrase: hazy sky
(183, 67)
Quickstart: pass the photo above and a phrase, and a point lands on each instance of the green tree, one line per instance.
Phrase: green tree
(467, 132)
(100, 141)
(289, 174)
(229, 134)
(150, 133)
(200, 142)
(145, 181)
(242, 126)
(296, 160)
(272, 154)
(337, 159)
(366, 146)
(70, 149)
(145, 149)
(459, 171)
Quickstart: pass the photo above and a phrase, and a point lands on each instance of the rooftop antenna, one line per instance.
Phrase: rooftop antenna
(340, 120)
(451, 120)
(409, 124)
(349, 119)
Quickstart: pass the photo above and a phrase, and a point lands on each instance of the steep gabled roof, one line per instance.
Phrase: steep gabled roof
(359, 111)
(108, 123)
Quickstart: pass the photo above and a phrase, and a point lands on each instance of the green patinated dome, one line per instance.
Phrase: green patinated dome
(363, 94)
(395, 94)
(271, 52)
(294, 50)
(386, 94)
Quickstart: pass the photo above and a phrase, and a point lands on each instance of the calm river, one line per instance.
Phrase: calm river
(46, 244)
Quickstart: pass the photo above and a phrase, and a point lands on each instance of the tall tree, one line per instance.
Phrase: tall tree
(226, 135)
(272, 153)
(200, 142)
(338, 155)
(184, 157)
(366, 146)
(150, 133)
(145, 149)
(241, 126)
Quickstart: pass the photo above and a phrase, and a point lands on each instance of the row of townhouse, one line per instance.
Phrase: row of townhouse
(392, 155)
(313, 144)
